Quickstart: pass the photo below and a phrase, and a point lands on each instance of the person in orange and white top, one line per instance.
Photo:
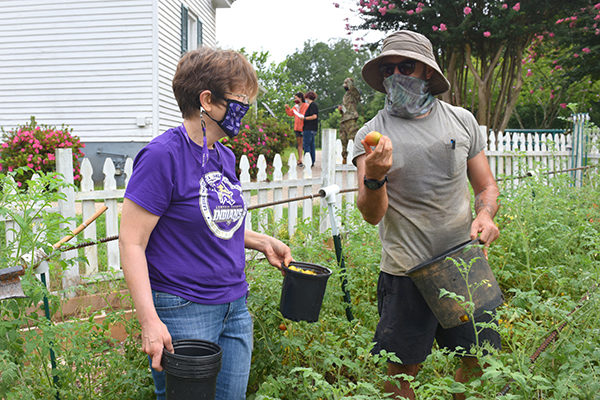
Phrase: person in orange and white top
(297, 112)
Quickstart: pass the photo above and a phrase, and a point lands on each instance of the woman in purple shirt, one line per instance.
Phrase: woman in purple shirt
(183, 234)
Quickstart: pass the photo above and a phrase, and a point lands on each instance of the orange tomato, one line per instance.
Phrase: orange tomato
(372, 138)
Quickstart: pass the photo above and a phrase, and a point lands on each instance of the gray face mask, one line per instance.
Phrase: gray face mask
(407, 97)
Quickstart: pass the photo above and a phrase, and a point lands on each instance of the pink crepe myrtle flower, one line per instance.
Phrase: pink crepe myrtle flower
(575, 55)
(486, 34)
(517, 7)
(563, 105)
(504, 6)
(247, 126)
(586, 50)
(382, 11)
(597, 6)
(529, 73)
(337, 5)
(560, 21)
(391, 6)
(418, 10)
(5, 145)
(467, 10)
(443, 27)
(410, 12)
(435, 28)
(531, 91)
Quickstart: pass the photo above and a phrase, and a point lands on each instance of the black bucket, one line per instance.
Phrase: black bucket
(192, 369)
(303, 291)
(441, 272)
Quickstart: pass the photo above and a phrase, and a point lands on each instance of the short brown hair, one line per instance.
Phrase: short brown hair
(211, 69)
(311, 95)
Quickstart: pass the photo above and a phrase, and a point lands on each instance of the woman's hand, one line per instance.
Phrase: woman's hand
(275, 250)
(278, 253)
(155, 337)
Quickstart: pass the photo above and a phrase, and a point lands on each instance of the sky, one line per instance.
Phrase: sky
(282, 26)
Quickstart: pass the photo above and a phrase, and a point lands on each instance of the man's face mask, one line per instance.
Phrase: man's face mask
(407, 97)
(232, 120)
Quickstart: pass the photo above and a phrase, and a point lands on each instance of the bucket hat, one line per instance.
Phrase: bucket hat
(407, 44)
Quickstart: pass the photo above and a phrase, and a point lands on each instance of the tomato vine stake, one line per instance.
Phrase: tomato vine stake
(329, 193)
(551, 337)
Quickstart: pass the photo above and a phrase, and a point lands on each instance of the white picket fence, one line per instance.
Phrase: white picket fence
(506, 153)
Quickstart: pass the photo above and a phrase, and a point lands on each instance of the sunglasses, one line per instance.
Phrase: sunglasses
(405, 67)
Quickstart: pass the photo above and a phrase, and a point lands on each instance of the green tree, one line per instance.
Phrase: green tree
(322, 68)
(276, 87)
(479, 44)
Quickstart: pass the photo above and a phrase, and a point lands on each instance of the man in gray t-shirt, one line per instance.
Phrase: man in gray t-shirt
(414, 184)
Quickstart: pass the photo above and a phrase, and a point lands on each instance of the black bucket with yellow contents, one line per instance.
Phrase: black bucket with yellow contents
(303, 291)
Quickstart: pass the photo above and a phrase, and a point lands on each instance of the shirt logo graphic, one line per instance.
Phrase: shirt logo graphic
(222, 205)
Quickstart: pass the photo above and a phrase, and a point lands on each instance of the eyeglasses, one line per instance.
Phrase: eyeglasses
(405, 67)
(243, 97)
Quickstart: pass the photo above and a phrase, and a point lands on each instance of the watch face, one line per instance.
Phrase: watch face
(372, 184)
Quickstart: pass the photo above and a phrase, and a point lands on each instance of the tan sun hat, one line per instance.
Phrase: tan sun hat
(407, 44)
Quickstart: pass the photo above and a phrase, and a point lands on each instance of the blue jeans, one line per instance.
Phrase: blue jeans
(229, 325)
(309, 144)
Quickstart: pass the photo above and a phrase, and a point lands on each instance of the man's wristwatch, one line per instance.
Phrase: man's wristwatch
(373, 184)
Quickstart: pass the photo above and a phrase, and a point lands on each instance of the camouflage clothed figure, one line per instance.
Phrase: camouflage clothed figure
(349, 125)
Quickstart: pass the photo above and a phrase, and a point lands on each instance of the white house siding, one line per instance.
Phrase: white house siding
(87, 64)
(169, 38)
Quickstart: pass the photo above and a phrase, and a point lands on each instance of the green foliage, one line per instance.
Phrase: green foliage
(275, 80)
(322, 68)
(88, 363)
(33, 145)
(260, 135)
(547, 262)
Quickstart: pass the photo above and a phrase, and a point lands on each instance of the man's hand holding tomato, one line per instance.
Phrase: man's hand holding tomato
(378, 161)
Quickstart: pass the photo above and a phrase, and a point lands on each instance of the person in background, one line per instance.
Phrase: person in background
(414, 184)
(183, 236)
(311, 125)
(297, 112)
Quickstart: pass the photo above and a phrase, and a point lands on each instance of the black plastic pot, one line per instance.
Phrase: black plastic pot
(302, 293)
(441, 272)
(191, 370)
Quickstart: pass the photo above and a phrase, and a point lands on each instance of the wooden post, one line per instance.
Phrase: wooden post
(88, 208)
(112, 222)
(66, 206)
(327, 170)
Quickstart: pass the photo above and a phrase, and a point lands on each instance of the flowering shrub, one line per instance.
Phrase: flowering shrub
(260, 135)
(33, 146)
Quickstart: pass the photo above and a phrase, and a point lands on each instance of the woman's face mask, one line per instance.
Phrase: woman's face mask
(407, 97)
(232, 120)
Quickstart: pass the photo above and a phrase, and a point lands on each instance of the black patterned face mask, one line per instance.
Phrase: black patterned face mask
(407, 97)
(232, 120)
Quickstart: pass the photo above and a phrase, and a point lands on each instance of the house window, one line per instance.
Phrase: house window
(191, 30)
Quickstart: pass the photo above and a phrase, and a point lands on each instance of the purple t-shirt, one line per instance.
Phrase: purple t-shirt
(196, 251)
